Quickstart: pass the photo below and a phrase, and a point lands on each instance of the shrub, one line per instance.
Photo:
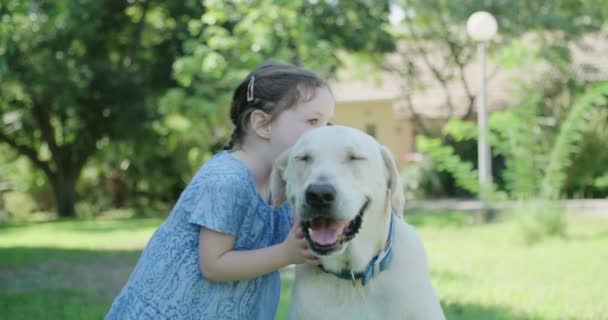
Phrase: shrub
(538, 219)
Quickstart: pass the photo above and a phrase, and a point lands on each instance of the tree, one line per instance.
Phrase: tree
(435, 49)
(140, 84)
(226, 42)
(78, 75)
(232, 37)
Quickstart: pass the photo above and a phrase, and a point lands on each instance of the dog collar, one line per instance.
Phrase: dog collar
(378, 263)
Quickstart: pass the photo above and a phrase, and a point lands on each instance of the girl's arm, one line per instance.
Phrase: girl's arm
(218, 262)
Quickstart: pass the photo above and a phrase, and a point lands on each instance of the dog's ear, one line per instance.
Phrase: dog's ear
(395, 184)
(277, 180)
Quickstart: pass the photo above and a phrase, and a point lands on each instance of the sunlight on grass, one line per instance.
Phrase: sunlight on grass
(67, 269)
(79, 234)
(479, 271)
(32, 243)
(486, 266)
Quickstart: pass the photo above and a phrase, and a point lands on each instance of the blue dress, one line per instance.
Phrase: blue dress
(167, 282)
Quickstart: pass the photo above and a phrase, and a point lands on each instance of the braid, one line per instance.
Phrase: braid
(233, 137)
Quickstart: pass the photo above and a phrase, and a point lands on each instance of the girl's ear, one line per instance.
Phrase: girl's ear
(277, 180)
(395, 184)
(260, 123)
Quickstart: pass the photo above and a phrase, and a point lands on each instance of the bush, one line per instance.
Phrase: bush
(19, 204)
(420, 179)
(539, 219)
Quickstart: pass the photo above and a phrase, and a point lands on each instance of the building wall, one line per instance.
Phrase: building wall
(377, 119)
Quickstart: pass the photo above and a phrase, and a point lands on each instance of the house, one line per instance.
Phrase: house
(378, 106)
(376, 102)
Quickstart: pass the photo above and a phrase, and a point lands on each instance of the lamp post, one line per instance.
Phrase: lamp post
(482, 26)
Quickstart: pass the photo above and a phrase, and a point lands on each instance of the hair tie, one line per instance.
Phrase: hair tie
(250, 89)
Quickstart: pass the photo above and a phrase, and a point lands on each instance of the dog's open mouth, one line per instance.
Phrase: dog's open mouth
(326, 234)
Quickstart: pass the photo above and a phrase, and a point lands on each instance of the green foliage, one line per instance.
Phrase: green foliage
(78, 76)
(438, 219)
(518, 55)
(514, 18)
(538, 219)
(460, 130)
(447, 160)
(18, 175)
(19, 204)
(534, 39)
(123, 88)
(232, 37)
(569, 139)
(117, 90)
(529, 133)
(587, 176)
(420, 179)
(516, 135)
(602, 181)
(227, 41)
(437, 52)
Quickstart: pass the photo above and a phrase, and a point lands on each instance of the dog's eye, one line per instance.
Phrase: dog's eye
(354, 157)
(303, 158)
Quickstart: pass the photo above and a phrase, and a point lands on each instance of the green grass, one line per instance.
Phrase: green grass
(487, 272)
(67, 269)
(73, 269)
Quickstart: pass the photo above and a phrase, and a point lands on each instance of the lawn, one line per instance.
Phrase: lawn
(73, 269)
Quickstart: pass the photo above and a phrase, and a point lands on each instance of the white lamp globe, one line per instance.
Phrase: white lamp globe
(482, 26)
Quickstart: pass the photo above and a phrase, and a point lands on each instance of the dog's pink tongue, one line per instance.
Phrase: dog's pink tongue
(326, 231)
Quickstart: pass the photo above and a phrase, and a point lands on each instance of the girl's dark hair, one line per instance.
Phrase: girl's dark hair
(272, 87)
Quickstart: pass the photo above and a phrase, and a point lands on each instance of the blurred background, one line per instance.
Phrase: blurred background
(108, 108)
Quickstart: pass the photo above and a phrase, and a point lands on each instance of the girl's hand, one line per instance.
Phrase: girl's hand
(296, 247)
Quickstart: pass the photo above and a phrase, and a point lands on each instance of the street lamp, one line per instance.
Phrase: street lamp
(482, 26)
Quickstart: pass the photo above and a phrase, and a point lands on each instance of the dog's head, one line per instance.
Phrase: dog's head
(333, 176)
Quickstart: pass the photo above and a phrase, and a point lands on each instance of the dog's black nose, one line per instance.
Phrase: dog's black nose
(320, 195)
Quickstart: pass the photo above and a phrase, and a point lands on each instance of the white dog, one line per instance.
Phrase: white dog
(347, 193)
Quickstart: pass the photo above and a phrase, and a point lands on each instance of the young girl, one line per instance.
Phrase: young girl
(217, 254)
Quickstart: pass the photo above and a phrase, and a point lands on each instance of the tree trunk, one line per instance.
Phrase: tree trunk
(64, 187)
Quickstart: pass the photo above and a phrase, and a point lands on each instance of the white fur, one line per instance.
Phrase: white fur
(404, 290)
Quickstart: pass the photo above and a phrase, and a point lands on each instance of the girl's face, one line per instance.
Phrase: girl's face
(290, 124)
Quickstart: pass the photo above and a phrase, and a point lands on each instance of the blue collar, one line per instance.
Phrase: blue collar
(378, 263)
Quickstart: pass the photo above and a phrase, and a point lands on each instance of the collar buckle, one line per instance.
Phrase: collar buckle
(376, 270)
